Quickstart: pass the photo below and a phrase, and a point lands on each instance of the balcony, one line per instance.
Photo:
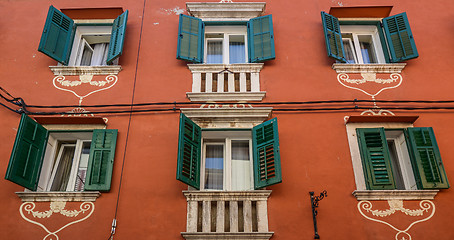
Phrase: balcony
(227, 215)
(220, 82)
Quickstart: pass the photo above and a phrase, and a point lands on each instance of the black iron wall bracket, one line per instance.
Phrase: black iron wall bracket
(314, 205)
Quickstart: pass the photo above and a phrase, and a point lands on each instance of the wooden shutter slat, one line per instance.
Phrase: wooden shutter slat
(57, 37)
(27, 156)
(190, 39)
(399, 37)
(189, 152)
(267, 163)
(426, 159)
(375, 157)
(117, 37)
(333, 37)
(261, 39)
(100, 163)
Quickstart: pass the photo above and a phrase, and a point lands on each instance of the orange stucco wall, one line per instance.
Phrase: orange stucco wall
(314, 149)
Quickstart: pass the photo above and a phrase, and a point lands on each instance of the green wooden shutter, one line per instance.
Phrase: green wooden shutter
(58, 34)
(27, 157)
(399, 37)
(261, 39)
(190, 39)
(375, 157)
(100, 163)
(426, 161)
(117, 37)
(267, 160)
(189, 150)
(333, 37)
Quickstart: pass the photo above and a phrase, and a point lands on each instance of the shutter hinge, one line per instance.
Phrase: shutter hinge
(381, 24)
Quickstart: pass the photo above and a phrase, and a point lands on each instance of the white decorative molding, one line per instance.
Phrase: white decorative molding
(61, 83)
(214, 208)
(58, 196)
(379, 195)
(371, 68)
(394, 81)
(394, 207)
(225, 96)
(225, 11)
(85, 70)
(219, 116)
(239, 67)
(28, 208)
(377, 112)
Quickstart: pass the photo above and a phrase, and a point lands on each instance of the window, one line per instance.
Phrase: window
(387, 41)
(226, 160)
(82, 44)
(225, 43)
(221, 160)
(396, 157)
(45, 160)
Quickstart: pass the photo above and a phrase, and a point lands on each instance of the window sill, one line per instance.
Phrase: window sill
(227, 235)
(225, 96)
(85, 70)
(369, 68)
(58, 196)
(395, 194)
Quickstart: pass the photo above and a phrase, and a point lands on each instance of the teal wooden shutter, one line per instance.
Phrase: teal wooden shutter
(57, 38)
(261, 39)
(100, 163)
(375, 157)
(27, 157)
(426, 161)
(117, 37)
(333, 37)
(399, 37)
(190, 39)
(189, 151)
(267, 160)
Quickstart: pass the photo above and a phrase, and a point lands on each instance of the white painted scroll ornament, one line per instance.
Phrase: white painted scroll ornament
(61, 83)
(398, 206)
(55, 208)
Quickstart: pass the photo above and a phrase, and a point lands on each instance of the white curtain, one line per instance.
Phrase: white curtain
(214, 52)
(241, 166)
(100, 54)
(237, 52)
(214, 167)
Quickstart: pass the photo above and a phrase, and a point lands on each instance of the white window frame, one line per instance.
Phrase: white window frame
(227, 137)
(52, 158)
(227, 31)
(402, 153)
(81, 32)
(371, 30)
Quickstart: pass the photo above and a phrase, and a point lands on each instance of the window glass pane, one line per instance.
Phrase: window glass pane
(63, 168)
(367, 48)
(86, 55)
(241, 166)
(237, 49)
(397, 172)
(214, 51)
(214, 167)
(83, 165)
(349, 48)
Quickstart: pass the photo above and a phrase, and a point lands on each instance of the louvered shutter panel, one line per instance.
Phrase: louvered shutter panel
(427, 164)
(267, 160)
(189, 152)
(261, 39)
(375, 157)
(190, 39)
(399, 37)
(333, 37)
(27, 156)
(57, 38)
(100, 163)
(117, 37)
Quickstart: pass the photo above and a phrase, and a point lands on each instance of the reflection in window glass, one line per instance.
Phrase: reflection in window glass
(237, 49)
(349, 48)
(241, 172)
(83, 165)
(214, 51)
(367, 49)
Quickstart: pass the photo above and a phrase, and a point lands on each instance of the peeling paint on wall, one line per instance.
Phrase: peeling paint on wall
(176, 11)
